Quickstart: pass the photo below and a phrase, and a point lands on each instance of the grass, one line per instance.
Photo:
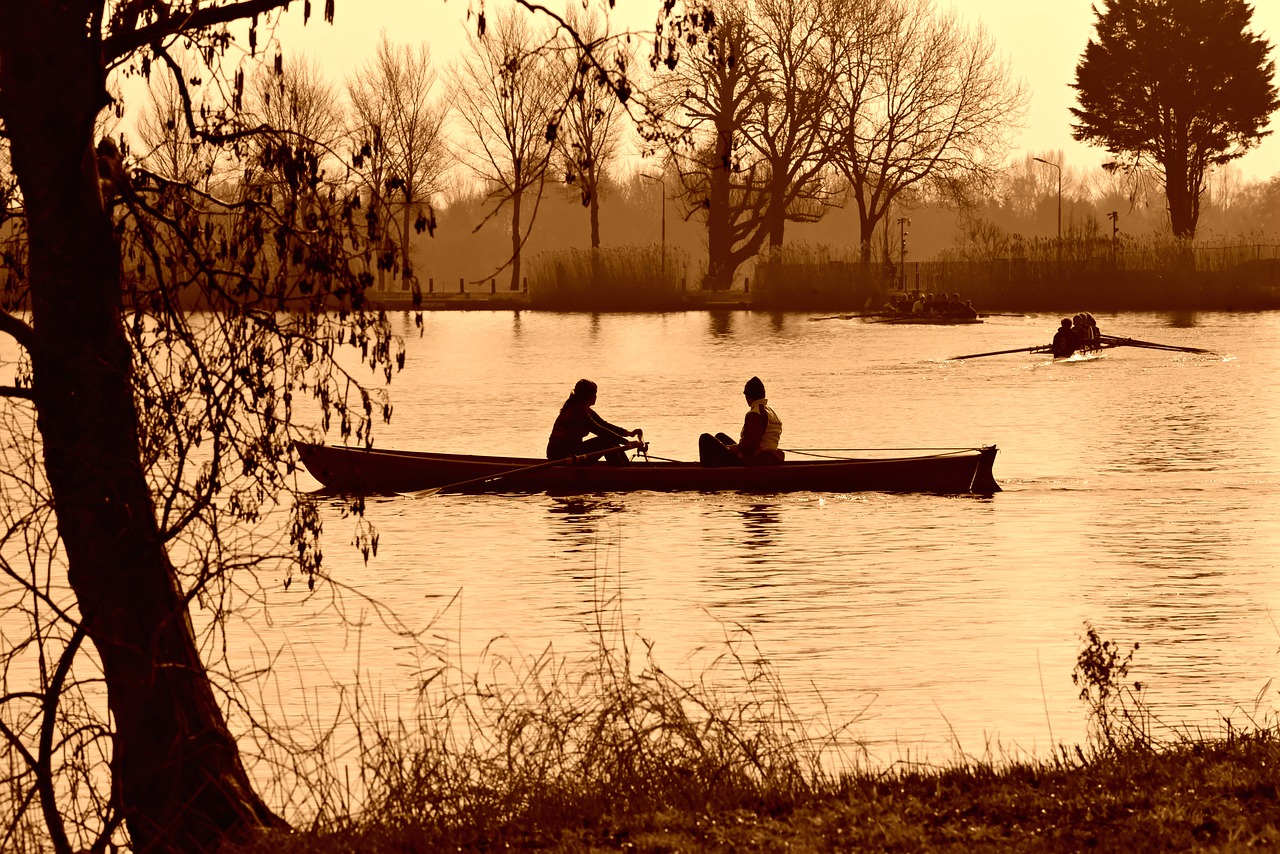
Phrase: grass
(618, 755)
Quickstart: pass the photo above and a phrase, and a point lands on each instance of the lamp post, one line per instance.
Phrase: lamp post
(1059, 168)
(663, 262)
(1114, 216)
(903, 222)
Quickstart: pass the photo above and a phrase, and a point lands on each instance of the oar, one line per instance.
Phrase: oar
(1040, 348)
(1133, 342)
(488, 478)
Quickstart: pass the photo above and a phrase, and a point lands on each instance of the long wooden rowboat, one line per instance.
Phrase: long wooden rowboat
(951, 472)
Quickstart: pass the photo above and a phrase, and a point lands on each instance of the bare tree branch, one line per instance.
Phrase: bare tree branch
(130, 39)
(17, 329)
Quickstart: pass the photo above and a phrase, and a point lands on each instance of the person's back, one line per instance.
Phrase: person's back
(761, 429)
(1064, 341)
(757, 445)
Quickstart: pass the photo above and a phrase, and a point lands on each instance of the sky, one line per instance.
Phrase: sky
(1042, 41)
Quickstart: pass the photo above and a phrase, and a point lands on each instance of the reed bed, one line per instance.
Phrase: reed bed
(619, 755)
(527, 749)
(816, 278)
(628, 278)
(1101, 274)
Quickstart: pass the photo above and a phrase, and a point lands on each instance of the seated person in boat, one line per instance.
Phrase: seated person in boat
(576, 420)
(1084, 332)
(962, 308)
(1095, 334)
(758, 444)
(1064, 340)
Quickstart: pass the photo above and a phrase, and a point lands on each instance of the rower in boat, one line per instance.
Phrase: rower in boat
(758, 444)
(1064, 340)
(577, 419)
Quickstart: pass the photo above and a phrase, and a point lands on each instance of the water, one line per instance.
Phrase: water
(1141, 494)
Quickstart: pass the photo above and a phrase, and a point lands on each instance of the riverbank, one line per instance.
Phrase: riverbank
(1214, 794)
(624, 757)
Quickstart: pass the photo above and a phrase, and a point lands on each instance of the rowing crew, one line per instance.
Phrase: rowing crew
(757, 444)
(1076, 333)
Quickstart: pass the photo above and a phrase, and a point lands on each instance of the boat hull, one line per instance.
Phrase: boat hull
(353, 470)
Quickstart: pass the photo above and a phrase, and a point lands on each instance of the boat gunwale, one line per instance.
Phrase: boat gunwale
(481, 459)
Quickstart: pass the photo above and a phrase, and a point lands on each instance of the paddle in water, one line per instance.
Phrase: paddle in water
(1151, 345)
(489, 478)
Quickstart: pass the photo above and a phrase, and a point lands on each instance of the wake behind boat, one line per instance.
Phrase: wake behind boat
(356, 470)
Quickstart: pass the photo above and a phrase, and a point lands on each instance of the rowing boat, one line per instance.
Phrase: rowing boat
(918, 320)
(356, 470)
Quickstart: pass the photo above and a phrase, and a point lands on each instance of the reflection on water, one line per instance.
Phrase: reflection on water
(576, 520)
(759, 523)
(720, 323)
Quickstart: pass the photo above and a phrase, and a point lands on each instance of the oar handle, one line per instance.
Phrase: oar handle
(570, 460)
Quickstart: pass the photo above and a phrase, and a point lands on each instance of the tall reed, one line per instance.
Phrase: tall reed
(816, 278)
(626, 278)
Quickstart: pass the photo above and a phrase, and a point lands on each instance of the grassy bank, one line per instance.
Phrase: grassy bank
(620, 756)
(1217, 794)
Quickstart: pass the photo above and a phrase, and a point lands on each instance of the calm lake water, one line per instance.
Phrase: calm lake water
(1141, 495)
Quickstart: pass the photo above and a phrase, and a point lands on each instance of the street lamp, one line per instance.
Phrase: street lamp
(903, 222)
(663, 262)
(1059, 168)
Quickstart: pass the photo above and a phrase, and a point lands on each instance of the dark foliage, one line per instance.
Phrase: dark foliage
(1181, 84)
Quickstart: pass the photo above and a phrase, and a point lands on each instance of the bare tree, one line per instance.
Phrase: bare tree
(300, 124)
(166, 145)
(398, 112)
(590, 130)
(922, 99)
(790, 131)
(508, 97)
(710, 97)
(370, 157)
(147, 433)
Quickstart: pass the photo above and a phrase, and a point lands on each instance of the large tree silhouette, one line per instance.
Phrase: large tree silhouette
(137, 434)
(1181, 85)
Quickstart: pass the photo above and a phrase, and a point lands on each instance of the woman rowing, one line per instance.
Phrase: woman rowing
(577, 420)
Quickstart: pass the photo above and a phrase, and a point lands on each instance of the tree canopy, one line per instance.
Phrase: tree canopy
(1181, 85)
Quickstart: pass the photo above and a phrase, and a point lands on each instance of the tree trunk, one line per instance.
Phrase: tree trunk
(866, 236)
(777, 211)
(515, 235)
(406, 266)
(595, 220)
(1182, 219)
(182, 784)
(719, 226)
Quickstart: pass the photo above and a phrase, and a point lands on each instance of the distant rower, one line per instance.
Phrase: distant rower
(1064, 340)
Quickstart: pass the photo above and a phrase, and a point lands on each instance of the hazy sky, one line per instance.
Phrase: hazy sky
(1041, 40)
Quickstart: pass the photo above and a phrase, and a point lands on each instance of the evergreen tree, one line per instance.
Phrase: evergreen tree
(1181, 85)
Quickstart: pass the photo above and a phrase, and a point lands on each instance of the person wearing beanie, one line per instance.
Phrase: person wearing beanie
(757, 445)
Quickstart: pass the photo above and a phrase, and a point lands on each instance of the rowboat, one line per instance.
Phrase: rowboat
(917, 320)
(1105, 342)
(357, 470)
